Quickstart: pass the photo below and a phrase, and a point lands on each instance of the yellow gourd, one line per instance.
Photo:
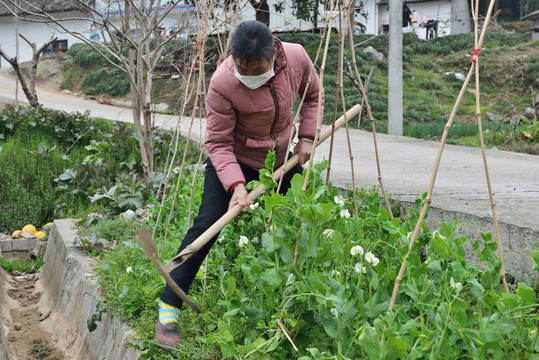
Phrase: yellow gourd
(30, 229)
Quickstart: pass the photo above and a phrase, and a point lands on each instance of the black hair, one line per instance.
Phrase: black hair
(252, 41)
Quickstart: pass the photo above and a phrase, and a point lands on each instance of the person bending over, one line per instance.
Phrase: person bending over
(249, 101)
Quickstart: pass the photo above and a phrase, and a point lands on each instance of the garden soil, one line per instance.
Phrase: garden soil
(21, 317)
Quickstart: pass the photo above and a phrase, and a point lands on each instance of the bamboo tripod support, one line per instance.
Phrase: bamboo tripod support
(371, 117)
(483, 153)
(200, 58)
(341, 80)
(253, 195)
(473, 68)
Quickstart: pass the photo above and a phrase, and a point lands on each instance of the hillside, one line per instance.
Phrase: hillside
(509, 80)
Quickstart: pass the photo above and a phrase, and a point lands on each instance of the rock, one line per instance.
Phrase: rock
(377, 56)
(161, 107)
(494, 117)
(529, 113)
(27, 235)
(18, 327)
(143, 214)
(536, 100)
(470, 90)
(129, 214)
(515, 120)
(460, 76)
(93, 216)
(49, 71)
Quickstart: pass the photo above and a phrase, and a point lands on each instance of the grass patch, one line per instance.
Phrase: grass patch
(29, 267)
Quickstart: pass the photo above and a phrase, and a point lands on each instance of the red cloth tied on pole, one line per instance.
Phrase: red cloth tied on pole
(475, 54)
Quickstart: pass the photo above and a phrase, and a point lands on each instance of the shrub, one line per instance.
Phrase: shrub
(29, 164)
(105, 81)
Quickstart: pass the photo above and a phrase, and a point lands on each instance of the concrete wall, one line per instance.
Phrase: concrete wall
(72, 296)
(517, 242)
(5, 351)
(461, 18)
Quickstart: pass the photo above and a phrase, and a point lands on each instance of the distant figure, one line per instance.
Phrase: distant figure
(406, 15)
(94, 35)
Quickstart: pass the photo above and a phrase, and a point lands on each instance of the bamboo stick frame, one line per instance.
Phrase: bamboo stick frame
(473, 67)
(365, 101)
(483, 153)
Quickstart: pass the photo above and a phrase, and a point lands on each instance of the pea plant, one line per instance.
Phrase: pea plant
(334, 303)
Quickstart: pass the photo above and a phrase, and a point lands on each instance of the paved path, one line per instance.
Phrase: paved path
(406, 164)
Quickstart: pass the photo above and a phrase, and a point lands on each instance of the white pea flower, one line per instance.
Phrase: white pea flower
(255, 240)
(333, 311)
(335, 272)
(356, 250)
(243, 241)
(357, 268)
(241, 222)
(253, 206)
(345, 214)
(129, 269)
(436, 232)
(456, 286)
(371, 259)
(328, 233)
(339, 200)
(364, 270)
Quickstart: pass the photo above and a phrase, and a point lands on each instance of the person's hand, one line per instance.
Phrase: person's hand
(303, 149)
(239, 196)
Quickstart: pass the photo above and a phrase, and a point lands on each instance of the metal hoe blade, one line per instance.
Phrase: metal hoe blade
(145, 239)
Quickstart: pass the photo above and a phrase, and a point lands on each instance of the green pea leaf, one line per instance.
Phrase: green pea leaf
(526, 293)
(267, 179)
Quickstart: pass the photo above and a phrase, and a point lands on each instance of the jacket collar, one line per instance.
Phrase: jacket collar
(280, 56)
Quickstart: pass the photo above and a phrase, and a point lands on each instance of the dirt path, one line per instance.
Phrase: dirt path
(26, 338)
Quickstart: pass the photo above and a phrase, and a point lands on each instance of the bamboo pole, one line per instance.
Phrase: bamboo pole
(252, 196)
(436, 165)
(480, 129)
(371, 117)
(319, 109)
(201, 42)
(341, 80)
(335, 106)
(318, 116)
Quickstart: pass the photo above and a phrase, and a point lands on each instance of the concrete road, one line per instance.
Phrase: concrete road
(406, 164)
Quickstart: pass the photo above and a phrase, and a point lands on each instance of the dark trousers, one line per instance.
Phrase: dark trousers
(214, 205)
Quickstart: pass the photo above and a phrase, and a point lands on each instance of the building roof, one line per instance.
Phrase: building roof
(405, 1)
(48, 6)
(531, 16)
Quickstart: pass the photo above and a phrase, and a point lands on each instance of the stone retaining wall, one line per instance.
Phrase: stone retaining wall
(517, 242)
(71, 296)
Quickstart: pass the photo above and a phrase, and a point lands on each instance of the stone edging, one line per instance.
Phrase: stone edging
(71, 295)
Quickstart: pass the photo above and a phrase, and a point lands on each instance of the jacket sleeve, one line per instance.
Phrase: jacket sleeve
(308, 113)
(220, 123)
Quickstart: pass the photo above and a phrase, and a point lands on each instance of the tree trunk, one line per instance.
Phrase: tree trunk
(29, 91)
(262, 11)
(29, 88)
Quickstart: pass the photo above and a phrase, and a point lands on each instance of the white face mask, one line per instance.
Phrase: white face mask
(254, 81)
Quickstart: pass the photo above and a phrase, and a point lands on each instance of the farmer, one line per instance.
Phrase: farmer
(250, 99)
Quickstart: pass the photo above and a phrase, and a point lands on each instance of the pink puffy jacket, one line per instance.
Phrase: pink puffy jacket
(243, 124)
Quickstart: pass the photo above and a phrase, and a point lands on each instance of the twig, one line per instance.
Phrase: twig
(285, 331)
